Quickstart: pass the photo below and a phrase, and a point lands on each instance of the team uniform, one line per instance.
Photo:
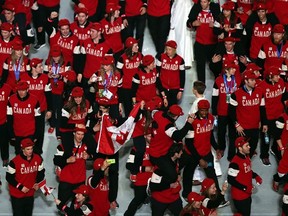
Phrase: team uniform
(221, 93)
(14, 70)
(23, 118)
(159, 22)
(5, 92)
(82, 32)
(245, 108)
(5, 52)
(259, 32)
(22, 172)
(271, 54)
(198, 146)
(57, 86)
(40, 88)
(240, 176)
(144, 85)
(172, 76)
(141, 180)
(72, 175)
(164, 133)
(162, 195)
(206, 40)
(128, 67)
(273, 95)
(112, 35)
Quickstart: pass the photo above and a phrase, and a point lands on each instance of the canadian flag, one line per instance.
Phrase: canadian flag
(44, 188)
(112, 138)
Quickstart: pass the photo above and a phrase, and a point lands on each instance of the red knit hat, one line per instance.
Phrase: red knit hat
(70, 75)
(228, 5)
(110, 7)
(253, 66)
(171, 43)
(77, 92)
(176, 110)
(17, 44)
(35, 61)
(55, 50)
(63, 22)
(9, 7)
(22, 85)
(6, 26)
(240, 141)
(248, 74)
(278, 28)
(261, 6)
(147, 60)
(130, 41)
(98, 163)
(96, 26)
(272, 71)
(203, 104)
(84, 130)
(193, 196)
(82, 189)
(82, 10)
(206, 184)
(107, 60)
(27, 142)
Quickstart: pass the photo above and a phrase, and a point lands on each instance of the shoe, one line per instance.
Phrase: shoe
(50, 130)
(133, 178)
(275, 186)
(5, 163)
(224, 203)
(146, 201)
(39, 46)
(266, 161)
(196, 182)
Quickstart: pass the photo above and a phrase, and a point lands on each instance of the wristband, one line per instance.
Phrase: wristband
(237, 125)
(164, 97)
(281, 148)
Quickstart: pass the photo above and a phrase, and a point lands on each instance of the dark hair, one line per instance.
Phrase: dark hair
(129, 53)
(199, 86)
(175, 148)
(233, 19)
(71, 105)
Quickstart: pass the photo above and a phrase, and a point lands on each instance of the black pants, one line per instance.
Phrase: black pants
(140, 146)
(38, 147)
(265, 147)
(65, 191)
(171, 96)
(138, 23)
(57, 104)
(159, 208)
(253, 134)
(40, 17)
(139, 197)
(203, 53)
(190, 163)
(22, 206)
(4, 142)
(243, 206)
(113, 175)
(223, 121)
(127, 100)
(163, 163)
(159, 29)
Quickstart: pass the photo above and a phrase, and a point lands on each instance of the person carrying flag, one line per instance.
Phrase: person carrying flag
(23, 174)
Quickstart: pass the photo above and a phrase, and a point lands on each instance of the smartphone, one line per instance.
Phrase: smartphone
(111, 161)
